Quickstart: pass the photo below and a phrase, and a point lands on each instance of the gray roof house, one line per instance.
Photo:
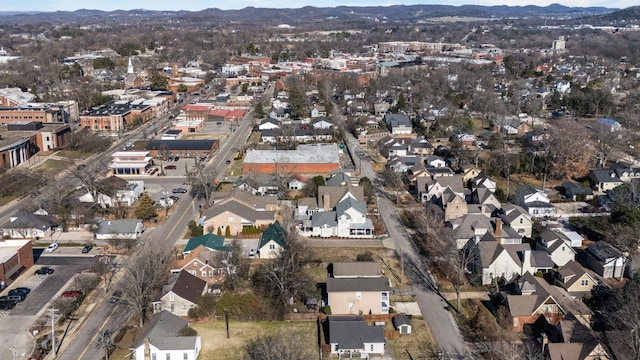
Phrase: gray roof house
(604, 179)
(358, 295)
(603, 258)
(398, 124)
(182, 293)
(128, 229)
(26, 225)
(351, 336)
(161, 338)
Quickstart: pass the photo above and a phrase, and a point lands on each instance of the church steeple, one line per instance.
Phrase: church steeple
(130, 67)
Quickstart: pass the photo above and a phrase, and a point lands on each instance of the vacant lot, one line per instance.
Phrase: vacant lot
(215, 344)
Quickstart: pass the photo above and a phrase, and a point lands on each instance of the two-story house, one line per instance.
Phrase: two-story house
(357, 290)
(181, 294)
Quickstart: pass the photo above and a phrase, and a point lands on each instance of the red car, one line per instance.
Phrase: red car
(71, 293)
(170, 167)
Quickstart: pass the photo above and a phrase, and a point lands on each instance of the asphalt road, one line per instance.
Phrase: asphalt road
(439, 320)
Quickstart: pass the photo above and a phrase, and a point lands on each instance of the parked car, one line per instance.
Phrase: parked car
(116, 296)
(252, 253)
(7, 304)
(179, 191)
(25, 290)
(81, 166)
(174, 198)
(18, 292)
(86, 249)
(51, 248)
(170, 167)
(176, 158)
(45, 270)
(71, 293)
(228, 162)
(16, 298)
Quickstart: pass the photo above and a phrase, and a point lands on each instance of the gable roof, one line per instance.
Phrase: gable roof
(351, 332)
(336, 193)
(605, 176)
(400, 319)
(163, 333)
(250, 200)
(240, 210)
(26, 220)
(349, 203)
(603, 251)
(526, 305)
(324, 218)
(453, 182)
(274, 233)
(210, 241)
(188, 287)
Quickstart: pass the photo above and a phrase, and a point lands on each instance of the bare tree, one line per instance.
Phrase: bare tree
(279, 347)
(89, 176)
(623, 315)
(455, 263)
(143, 277)
(104, 342)
(283, 278)
(203, 183)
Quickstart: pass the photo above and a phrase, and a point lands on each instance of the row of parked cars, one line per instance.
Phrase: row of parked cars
(15, 296)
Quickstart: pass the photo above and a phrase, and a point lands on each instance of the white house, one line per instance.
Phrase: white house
(495, 260)
(161, 339)
(126, 229)
(535, 201)
(322, 122)
(182, 294)
(558, 246)
(340, 213)
(351, 336)
(269, 124)
(271, 242)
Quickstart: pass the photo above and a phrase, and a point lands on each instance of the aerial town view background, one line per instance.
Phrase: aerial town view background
(383, 182)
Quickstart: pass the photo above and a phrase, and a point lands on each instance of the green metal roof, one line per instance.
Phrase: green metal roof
(274, 232)
(210, 241)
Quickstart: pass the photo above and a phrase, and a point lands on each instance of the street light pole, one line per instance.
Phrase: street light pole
(53, 331)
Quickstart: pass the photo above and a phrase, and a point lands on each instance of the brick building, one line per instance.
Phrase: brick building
(307, 159)
(115, 116)
(15, 257)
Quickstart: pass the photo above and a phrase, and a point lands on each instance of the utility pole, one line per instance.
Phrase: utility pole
(53, 311)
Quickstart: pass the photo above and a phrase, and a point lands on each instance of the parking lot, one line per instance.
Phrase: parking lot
(158, 190)
(45, 287)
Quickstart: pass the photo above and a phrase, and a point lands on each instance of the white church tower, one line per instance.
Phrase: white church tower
(130, 67)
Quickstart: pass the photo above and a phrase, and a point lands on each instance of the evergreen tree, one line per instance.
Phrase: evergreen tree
(227, 232)
(219, 231)
(146, 208)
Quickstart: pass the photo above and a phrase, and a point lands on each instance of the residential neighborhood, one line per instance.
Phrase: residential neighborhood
(382, 182)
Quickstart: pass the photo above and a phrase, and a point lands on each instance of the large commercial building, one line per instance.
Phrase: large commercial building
(307, 159)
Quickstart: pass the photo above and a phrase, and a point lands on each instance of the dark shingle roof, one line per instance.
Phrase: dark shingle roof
(163, 333)
(171, 145)
(188, 287)
(351, 332)
(357, 284)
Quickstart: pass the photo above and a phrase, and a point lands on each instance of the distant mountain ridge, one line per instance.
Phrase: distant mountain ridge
(395, 13)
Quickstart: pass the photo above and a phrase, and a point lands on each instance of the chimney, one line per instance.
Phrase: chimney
(325, 202)
(498, 231)
(526, 260)
(147, 349)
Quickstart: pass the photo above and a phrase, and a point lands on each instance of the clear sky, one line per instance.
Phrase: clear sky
(194, 5)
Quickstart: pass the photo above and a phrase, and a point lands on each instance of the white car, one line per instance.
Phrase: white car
(52, 247)
(252, 253)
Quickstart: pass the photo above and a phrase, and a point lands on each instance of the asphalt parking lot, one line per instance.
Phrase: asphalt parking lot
(45, 287)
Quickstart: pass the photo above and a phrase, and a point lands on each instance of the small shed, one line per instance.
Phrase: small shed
(402, 323)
